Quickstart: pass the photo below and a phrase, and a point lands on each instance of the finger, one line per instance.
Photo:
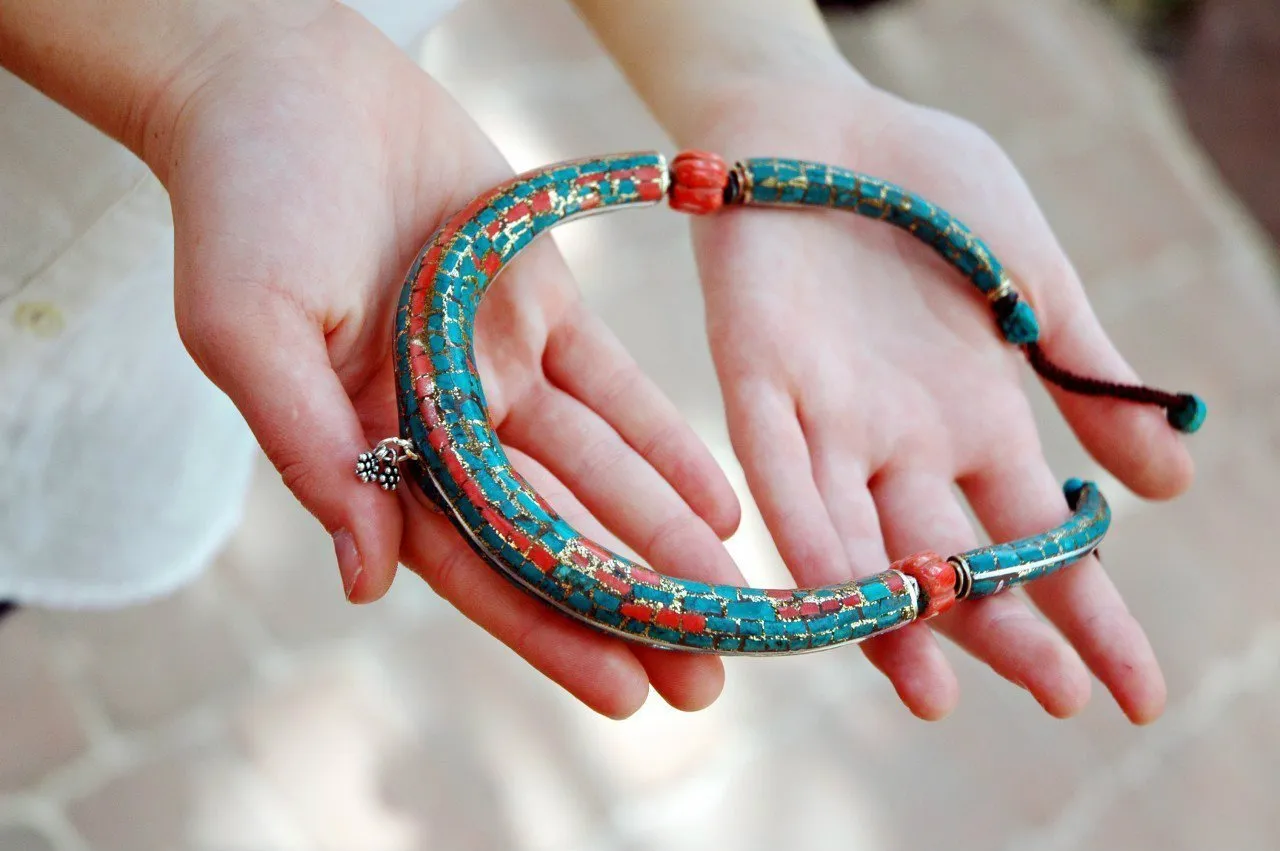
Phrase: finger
(586, 360)
(910, 657)
(687, 681)
(616, 485)
(919, 511)
(1133, 441)
(274, 365)
(565, 650)
(771, 445)
(598, 670)
(1022, 498)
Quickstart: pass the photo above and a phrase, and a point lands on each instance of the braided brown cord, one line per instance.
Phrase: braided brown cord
(1076, 383)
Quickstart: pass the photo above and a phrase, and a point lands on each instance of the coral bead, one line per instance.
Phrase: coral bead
(698, 179)
(937, 579)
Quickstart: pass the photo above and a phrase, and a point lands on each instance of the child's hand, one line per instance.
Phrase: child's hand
(306, 169)
(864, 379)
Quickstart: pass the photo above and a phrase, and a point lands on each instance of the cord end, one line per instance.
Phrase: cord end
(1071, 489)
(1184, 411)
(1018, 322)
(1188, 414)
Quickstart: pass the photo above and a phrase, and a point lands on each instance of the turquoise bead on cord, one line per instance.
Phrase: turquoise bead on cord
(1020, 326)
(1189, 416)
(1071, 489)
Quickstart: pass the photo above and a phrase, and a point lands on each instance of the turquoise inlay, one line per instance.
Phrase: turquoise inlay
(727, 626)
(726, 592)
(704, 605)
(849, 616)
(609, 617)
(528, 526)
(753, 609)
(656, 595)
(823, 624)
(663, 634)
(606, 601)
(982, 561)
(817, 194)
(491, 537)
(699, 640)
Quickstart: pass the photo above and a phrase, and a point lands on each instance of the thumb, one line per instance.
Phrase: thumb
(274, 365)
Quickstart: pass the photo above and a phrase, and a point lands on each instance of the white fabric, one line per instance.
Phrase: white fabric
(124, 469)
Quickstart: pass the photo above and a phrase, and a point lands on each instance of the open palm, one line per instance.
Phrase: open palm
(864, 381)
(305, 173)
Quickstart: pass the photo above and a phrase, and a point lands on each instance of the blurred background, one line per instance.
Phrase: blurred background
(256, 711)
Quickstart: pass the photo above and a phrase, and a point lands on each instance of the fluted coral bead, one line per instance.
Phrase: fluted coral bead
(698, 179)
(937, 579)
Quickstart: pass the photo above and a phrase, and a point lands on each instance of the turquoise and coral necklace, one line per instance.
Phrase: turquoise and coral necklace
(449, 448)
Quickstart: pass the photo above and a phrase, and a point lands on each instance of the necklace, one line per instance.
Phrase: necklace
(451, 452)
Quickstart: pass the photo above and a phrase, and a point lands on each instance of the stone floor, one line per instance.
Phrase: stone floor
(256, 711)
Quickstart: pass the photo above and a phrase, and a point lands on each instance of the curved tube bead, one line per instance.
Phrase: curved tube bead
(798, 183)
(462, 466)
(990, 570)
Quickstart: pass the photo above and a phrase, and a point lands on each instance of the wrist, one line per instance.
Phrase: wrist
(700, 65)
(128, 67)
(223, 40)
(792, 110)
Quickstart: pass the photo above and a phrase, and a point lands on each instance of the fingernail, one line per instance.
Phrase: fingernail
(349, 564)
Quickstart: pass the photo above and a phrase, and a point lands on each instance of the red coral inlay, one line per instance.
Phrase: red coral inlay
(635, 611)
(645, 577)
(543, 558)
(453, 464)
(691, 622)
(668, 618)
(424, 386)
(613, 583)
(592, 547)
(473, 492)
